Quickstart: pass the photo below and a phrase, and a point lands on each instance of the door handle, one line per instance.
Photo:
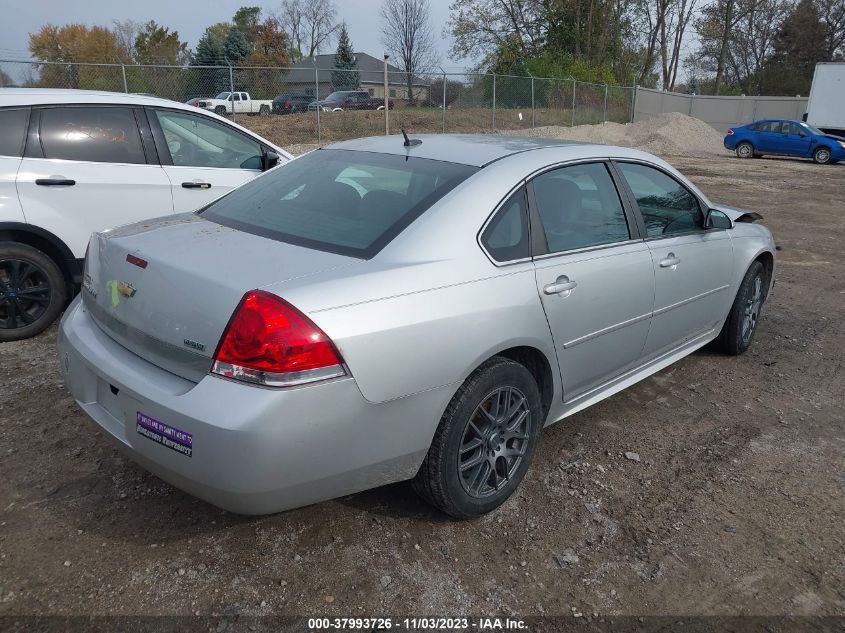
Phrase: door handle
(55, 182)
(670, 262)
(196, 185)
(562, 286)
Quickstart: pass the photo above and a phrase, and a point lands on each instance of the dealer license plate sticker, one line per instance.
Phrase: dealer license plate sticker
(164, 434)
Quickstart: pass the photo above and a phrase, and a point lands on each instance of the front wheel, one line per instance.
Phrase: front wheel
(485, 441)
(220, 110)
(741, 324)
(745, 150)
(32, 291)
(821, 156)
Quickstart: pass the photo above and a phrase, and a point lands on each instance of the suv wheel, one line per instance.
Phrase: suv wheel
(32, 291)
(485, 441)
(821, 156)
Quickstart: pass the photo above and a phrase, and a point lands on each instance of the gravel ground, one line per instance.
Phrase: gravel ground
(713, 487)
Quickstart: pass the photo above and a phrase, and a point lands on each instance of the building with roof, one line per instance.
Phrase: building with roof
(301, 78)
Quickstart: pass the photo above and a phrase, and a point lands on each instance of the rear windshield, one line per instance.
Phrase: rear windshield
(347, 202)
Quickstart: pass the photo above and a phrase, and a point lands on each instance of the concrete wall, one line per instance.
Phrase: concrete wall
(720, 112)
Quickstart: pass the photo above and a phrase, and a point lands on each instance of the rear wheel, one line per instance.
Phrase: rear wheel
(741, 325)
(821, 156)
(32, 291)
(745, 150)
(485, 441)
(264, 110)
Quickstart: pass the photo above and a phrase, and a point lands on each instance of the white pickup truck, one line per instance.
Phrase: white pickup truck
(241, 102)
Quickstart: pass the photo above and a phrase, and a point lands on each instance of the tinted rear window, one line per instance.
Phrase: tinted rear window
(12, 131)
(352, 203)
(96, 134)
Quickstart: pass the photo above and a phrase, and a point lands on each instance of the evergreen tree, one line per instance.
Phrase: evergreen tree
(236, 46)
(345, 76)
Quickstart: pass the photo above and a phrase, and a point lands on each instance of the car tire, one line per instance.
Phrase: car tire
(475, 445)
(745, 150)
(220, 110)
(821, 156)
(264, 111)
(22, 270)
(738, 331)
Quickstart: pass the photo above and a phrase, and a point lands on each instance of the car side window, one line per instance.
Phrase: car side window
(665, 204)
(13, 131)
(197, 141)
(506, 236)
(95, 134)
(771, 126)
(579, 207)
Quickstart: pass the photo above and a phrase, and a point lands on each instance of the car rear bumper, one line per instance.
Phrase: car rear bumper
(243, 448)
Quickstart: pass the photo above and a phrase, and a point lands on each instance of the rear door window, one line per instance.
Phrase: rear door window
(346, 202)
(93, 134)
(579, 207)
(13, 125)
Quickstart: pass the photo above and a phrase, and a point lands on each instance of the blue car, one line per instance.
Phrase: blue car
(786, 138)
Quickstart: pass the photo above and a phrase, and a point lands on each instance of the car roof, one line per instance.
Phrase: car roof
(45, 96)
(476, 150)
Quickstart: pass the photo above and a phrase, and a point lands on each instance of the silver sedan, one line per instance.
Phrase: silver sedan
(386, 309)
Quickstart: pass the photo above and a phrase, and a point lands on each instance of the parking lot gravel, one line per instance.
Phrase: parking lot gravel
(716, 486)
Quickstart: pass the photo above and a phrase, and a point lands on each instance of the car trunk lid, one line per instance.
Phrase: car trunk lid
(166, 289)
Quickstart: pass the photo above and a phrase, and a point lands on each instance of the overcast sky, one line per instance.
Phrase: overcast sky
(190, 18)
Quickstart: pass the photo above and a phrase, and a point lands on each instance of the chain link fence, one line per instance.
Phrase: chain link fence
(302, 104)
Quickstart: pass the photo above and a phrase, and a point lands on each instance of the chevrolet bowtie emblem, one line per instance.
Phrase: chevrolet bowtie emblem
(125, 289)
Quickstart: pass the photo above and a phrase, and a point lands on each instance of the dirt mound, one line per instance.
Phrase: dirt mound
(672, 134)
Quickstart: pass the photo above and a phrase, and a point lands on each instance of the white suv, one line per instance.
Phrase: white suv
(73, 162)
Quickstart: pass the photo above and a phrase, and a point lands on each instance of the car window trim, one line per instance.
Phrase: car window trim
(537, 233)
(702, 208)
(494, 214)
(35, 149)
(22, 146)
(160, 142)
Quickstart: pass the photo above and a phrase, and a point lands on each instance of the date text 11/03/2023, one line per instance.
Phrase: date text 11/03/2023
(418, 624)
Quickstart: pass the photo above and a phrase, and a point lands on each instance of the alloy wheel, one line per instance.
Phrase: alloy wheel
(745, 150)
(494, 442)
(24, 293)
(751, 312)
(822, 156)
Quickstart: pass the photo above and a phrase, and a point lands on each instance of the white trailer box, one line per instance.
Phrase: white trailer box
(826, 106)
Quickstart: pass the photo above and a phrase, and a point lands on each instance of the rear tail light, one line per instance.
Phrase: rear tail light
(269, 342)
(287, 105)
(730, 132)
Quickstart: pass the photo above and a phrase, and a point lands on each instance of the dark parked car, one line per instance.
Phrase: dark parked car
(350, 100)
(787, 138)
(289, 103)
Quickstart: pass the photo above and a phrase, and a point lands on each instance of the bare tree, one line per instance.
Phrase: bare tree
(406, 33)
(310, 24)
(126, 32)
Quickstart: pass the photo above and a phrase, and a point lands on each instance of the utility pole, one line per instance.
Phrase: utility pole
(317, 107)
(386, 102)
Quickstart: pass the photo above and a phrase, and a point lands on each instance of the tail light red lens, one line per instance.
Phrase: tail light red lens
(730, 132)
(287, 105)
(269, 342)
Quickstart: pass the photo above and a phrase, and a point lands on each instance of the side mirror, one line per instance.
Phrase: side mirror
(269, 159)
(715, 219)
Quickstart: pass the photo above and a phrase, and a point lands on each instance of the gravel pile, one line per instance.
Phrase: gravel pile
(671, 134)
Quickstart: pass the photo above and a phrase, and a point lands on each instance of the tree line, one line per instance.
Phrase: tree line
(697, 46)
(740, 46)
